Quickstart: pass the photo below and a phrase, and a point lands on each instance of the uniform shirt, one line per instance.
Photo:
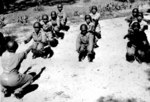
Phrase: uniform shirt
(39, 37)
(11, 61)
(86, 41)
(61, 15)
(91, 26)
(95, 16)
(46, 27)
(55, 22)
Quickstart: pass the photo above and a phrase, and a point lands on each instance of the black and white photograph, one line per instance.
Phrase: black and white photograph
(74, 50)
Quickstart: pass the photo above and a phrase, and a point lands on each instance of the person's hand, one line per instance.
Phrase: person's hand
(145, 27)
(17, 91)
(78, 50)
(31, 47)
(25, 41)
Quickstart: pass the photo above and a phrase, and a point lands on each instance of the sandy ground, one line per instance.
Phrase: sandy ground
(67, 80)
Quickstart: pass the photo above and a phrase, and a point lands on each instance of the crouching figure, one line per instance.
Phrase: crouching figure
(85, 44)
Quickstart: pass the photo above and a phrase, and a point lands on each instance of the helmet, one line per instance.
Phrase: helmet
(88, 17)
(83, 27)
(53, 14)
(135, 25)
(37, 25)
(11, 46)
(94, 7)
(59, 6)
(135, 10)
(54, 42)
(45, 17)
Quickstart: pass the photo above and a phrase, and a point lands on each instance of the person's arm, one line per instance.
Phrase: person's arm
(128, 19)
(64, 16)
(28, 39)
(98, 30)
(58, 22)
(99, 16)
(145, 27)
(78, 41)
(91, 43)
(91, 28)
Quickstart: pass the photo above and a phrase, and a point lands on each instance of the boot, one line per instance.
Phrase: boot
(91, 56)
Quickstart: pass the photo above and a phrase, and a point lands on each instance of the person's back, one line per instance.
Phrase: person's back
(11, 61)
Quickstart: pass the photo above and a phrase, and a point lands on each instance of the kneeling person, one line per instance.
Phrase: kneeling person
(62, 17)
(11, 79)
(40, 40)
(92, 29)
(84, 44)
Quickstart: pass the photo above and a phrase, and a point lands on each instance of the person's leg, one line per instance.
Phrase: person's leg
(56, 30)
(82, 53)
(95, 42)
(25, 80)
(140, 55)
(130, 55)
(91, 56)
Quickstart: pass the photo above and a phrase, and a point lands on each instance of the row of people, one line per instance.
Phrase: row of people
(138, 45)
(47, 31)
(89, 35)
(45, 35)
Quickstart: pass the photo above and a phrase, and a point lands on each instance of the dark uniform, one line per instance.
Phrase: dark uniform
(137, 45)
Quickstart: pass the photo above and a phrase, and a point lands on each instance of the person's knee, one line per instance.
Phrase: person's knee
(130, 57)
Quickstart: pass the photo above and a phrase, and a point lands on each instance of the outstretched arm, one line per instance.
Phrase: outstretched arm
(78, 43)
(28, 39)
(91, 43)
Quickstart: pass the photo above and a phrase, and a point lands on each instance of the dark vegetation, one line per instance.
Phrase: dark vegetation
(16, 5)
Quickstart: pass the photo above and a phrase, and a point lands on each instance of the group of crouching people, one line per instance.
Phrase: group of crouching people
(137, 46)
(45, 35)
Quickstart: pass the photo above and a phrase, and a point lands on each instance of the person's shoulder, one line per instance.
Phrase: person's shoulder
(144, 22)
(4, 54)
(41, 31)
(63, 11)
(21, 55)
(89, 34)
(92, 23)
(90, 14)
(98, 14)
(79, 36)
(33, 33)
(41, 22)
